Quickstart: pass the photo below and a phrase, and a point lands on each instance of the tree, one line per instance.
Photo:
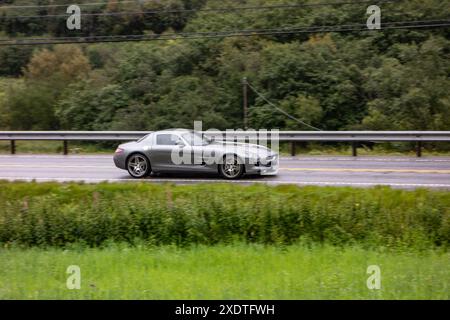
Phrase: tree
(186, 99)
(14, 59)
(408, 90)
(60, 66)
(88, 107)
(31, 103)
(30, 107)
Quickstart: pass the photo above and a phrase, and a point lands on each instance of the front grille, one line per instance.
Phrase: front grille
(266, 164)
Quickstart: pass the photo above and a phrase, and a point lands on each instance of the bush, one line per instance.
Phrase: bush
(53, 214)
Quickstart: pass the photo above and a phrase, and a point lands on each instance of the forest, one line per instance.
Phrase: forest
(392, 79)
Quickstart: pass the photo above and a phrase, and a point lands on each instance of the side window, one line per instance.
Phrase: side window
(166, 139)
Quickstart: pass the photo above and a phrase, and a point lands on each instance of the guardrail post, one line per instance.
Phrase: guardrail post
(354, 149)
(13, 146)
(65, 147)
(293, 151)
(419, 149)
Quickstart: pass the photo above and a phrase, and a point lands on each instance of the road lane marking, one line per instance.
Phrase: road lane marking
(55, 156)
(43, 166)
(325, 183)
(382, 170)
(368, 170)
(361, 159)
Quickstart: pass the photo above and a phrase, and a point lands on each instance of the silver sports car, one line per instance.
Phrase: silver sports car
(181, 150)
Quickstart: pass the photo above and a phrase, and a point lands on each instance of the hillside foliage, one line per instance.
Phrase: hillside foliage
(379, 80)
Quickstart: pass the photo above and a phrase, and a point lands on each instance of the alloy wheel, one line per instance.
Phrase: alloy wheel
(231, 168)
(137, 166)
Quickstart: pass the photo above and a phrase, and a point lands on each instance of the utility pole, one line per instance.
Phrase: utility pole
(245, 101)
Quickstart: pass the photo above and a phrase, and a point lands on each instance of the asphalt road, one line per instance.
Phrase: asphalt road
(397, 172)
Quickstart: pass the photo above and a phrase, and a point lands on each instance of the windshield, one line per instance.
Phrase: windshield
(143, 138)
(195, 139)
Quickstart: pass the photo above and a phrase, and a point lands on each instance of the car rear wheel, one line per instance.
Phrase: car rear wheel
(138, 166)
(231, 168)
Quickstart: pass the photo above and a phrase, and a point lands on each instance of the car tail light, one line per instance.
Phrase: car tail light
(118, 150)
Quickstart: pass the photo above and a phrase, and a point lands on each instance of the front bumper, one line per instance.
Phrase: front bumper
(120, 160)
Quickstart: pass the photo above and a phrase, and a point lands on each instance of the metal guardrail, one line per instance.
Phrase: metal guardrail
(355, 137)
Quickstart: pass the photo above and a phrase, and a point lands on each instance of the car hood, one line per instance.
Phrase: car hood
(243, 148)
(128, 145)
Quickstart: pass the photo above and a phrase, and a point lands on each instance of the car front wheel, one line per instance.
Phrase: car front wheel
(138, 166)
(231, 168)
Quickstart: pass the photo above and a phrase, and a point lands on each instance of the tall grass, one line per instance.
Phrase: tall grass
(53, 214)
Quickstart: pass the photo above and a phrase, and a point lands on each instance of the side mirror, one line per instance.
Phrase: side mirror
(179, 143)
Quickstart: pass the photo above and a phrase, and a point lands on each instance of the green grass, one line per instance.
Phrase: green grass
(223, 272)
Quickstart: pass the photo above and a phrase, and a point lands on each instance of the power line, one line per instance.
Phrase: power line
(66, 5)
(247, 31)
(224, 10)
(224, 34)
(129, 38)
(281, 110)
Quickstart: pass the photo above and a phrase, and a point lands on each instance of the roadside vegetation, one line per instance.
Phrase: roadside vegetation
(222, 241)
(52, 214)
